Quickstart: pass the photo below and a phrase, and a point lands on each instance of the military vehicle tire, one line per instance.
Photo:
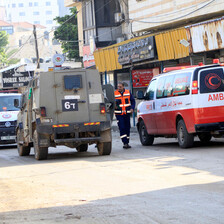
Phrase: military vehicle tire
(22, 150)
(40, 153)
(104, 148)
(82, 148)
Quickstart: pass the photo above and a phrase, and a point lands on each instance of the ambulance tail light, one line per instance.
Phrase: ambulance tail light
(102, 108)
(195, 87)
(43, 112)
(216, 61)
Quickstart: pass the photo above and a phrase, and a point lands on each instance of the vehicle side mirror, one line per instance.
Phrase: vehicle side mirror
(17, 103)
(140, 95)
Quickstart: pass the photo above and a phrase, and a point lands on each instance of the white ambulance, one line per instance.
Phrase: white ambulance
(8, 117)
(183, 103)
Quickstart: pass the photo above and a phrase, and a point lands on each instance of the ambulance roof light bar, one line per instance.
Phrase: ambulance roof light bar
(169, 69)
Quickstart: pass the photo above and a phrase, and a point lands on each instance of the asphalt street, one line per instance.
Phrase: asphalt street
(144, 185)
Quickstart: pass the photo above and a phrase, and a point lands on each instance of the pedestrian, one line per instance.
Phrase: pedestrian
(125, 105)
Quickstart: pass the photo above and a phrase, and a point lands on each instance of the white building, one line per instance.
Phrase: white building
(34, 11)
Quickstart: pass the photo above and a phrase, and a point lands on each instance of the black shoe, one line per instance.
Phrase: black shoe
(125, 146)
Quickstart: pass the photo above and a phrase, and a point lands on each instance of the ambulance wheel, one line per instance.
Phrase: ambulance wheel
(40, 153)
(104, 148)
(185, 139)
(145, 138)
(205, 137)
(82, 148)
(22, 150)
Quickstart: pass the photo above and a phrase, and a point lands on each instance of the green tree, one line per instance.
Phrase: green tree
(67, 34)
(3, 44)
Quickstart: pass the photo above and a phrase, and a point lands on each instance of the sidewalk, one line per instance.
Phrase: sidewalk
(115, 127)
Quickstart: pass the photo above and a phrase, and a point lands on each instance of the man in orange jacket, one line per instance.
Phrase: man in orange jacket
(125, 105)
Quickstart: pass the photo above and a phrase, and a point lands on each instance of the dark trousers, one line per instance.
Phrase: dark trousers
(124, 125)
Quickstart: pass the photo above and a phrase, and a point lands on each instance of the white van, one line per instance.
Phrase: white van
(183, 103)
(8, 117)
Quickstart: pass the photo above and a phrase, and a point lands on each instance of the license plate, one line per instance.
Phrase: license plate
(8, 137)
(70, 105)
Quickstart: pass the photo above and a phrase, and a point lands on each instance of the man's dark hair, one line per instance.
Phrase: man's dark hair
(121, 83)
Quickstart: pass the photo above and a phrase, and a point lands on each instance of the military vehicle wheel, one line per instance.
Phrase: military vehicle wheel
(104, 148)
(82, 148)
(22, 150)
(41, 153)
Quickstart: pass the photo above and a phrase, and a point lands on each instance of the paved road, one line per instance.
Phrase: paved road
(145, 185)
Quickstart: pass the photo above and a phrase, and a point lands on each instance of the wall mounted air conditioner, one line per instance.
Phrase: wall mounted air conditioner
(118, 17)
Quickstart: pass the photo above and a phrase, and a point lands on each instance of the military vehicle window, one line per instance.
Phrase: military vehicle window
(73, 82)
(181, 85)
(212, 81)
(160, 88)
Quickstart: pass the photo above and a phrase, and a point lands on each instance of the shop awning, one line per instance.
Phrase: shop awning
(106, 59)
(167, 44)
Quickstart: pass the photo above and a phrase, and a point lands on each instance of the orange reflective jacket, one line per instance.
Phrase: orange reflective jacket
(123, 102)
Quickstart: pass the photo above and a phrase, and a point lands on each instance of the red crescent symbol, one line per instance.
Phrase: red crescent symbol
(210, 81)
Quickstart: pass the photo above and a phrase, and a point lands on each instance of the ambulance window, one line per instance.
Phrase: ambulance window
(212, 81)
(160, 87)
(181, 85)
(151, 90)
(168, 86)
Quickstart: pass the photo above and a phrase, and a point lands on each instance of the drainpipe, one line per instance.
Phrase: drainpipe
(105, 76)
(132, 91)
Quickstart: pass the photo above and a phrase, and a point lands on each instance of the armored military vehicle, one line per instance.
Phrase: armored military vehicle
(67, 107)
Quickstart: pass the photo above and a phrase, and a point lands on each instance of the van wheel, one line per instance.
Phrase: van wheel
(185, 139)
(82, 148)
(205, 137)
(145, 138)
(104, 148)
(40, 153)
(22, 150)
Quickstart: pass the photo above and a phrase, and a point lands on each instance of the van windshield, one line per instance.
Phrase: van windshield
(212, 81)
(7, 103)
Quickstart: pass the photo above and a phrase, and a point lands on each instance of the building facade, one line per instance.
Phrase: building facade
(100, 23)
(37, 12)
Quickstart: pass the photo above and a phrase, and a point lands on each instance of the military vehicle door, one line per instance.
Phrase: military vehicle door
(71, 97)
(109, 97)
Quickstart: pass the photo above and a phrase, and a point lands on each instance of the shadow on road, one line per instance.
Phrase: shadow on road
(199, 203)
(6, 147)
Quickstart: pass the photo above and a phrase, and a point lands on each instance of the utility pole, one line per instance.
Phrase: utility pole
(36, 46)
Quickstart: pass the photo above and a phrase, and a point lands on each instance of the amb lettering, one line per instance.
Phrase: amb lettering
(216, 97)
